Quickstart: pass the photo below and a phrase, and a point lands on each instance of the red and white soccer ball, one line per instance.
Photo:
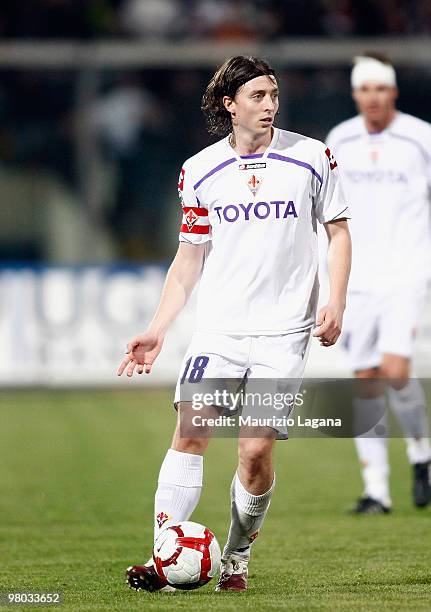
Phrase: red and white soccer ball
(187, 555)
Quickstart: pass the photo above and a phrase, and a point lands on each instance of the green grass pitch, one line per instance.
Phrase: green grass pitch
(77, 477)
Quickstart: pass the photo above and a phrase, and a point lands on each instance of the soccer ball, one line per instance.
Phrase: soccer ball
(187, 555)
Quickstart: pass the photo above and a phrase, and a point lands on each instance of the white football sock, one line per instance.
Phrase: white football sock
(409, 405)
(247, 515)
(372, 450)
(179, 489)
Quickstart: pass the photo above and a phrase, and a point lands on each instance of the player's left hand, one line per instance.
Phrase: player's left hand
(141, 353)
(329, 322)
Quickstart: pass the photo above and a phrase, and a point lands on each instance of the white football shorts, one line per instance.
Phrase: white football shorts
(214, 357)
(377, 324)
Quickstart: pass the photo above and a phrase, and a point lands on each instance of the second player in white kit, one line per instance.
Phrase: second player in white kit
(384, 157)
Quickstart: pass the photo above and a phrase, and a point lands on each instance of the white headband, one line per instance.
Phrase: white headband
(369, 69)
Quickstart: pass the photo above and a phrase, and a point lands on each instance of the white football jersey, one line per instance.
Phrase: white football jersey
(259, 213)
(387, 180)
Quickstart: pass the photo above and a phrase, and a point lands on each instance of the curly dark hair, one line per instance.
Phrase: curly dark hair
(229, 77)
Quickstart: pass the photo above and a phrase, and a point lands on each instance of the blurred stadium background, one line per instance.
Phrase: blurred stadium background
(99, 106)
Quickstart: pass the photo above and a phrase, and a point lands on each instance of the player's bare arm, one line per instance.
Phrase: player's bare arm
(181, 278)
(330, 317)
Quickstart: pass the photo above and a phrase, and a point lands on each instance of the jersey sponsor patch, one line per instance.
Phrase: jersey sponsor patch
(332, 160)
(376, 176)
(252, 166)
(278, 209)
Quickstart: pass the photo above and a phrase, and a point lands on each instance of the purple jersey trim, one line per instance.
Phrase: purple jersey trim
(347, 139)
(413, 142)
(214, 170)
(297, 162)
(252, 156)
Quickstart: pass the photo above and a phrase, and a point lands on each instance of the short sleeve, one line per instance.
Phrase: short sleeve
(329, 200)
(195, 226)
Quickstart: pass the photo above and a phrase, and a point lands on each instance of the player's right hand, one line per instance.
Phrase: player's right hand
(141, 353)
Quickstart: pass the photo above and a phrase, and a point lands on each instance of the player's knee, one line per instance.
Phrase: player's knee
(194, 446)
(254, 453)
(370, 385)
(397, 378)
(189, 441)
(396, 372)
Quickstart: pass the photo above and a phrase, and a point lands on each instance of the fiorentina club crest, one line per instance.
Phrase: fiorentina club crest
(191, 218)
(254, 183)
(161, 518)
(374, 156)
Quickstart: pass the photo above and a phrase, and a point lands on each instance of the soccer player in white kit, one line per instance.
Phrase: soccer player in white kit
(384, 157)
(251, 203)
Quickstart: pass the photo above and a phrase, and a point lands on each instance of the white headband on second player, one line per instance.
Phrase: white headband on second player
(369, 69)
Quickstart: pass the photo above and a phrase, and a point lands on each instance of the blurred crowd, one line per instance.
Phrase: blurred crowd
(216, 19)
(143, 125)
(140, 125)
